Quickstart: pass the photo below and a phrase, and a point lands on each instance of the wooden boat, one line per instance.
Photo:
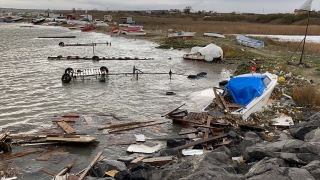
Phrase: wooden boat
(253, 43)
(248, 92)
(89, 28)
(214, 34)
(181, 34)
(211, 52)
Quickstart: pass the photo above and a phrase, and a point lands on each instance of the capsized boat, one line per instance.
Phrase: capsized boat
(253, 43)
(214, 34)
(246, 94)
(181, 34)
(211, 52)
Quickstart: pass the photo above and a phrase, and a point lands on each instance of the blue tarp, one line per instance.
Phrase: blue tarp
(244, 89)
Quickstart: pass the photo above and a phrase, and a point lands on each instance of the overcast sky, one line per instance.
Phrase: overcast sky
(251, 6)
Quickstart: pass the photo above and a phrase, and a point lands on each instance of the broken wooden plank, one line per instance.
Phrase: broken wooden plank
(112, 173)
(48, 171)
(93, 162)
(188, 121)
(45, 155)
(4, 135)
(224, 103)
(65, 126)
(78, 140)
(199, 142)
(224, 143)
(88, 119)
(67, 168)
(33, 137)
(158, 161)
(206, 134)
(136, 126)
(19, 154)
(188, 132)
(71, 115)
(137, 160)
(123, 124)
(173, 110)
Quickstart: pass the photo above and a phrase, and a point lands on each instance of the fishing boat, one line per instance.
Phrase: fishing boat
(249, 42)
(246, 94)
(208, 53)
(214, 34)
(181, 34)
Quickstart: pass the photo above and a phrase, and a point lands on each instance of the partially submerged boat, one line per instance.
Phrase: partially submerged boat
(181, 34)
(211, 52)
(245, 94)
(249, 42)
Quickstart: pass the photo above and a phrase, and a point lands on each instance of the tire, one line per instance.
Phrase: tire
(192, 76)
(223, 83)
(202, 74)
(103, 68)
(61, 44)
(66, 78)
(68, 70)
(95, 58)
(170, 93)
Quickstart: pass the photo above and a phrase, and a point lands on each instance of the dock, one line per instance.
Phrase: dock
(96, 58)
(62, 44)
(57, 36)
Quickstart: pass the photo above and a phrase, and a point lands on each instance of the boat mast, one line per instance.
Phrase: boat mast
(305, 7)
(304, 39)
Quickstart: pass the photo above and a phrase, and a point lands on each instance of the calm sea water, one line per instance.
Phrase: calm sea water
(32, 91)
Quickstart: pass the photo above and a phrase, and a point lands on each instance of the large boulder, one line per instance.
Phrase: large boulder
(275, 168)
(314, 168)
(213, 165)
(107, 165)
(299, 130)
(250, 139)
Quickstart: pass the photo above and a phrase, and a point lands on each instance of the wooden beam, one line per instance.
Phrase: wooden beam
(19, 154)
(122, 124)
(65, 126)
(158, 161)
(77, 140)
(224, 103)
(88, 119)
(67, 168)
(199, 142)
(4, 135)
(45, 155)
(206, 134)
(93, 162)
(48, 171)
(189, 132)
(137, 160)
(173, 110)
(136, 126)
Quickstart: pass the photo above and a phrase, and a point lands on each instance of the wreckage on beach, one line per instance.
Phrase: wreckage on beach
(245, 94)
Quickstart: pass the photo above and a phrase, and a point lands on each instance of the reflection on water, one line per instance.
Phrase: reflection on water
(32, 90)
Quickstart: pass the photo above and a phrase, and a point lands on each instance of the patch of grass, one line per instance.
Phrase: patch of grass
(307, 96)
(177, 44)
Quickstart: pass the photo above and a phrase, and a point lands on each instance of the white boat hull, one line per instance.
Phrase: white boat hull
(257, 103)
(216, 35)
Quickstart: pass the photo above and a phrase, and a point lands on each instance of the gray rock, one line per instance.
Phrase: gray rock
(301, 129)
(296, 173)
(259, 151)
(291, 157)
(313, 136)
(213, 165)
(266, 165)
(314, 169)
(310, 147)
(107, 165)
(250, 138)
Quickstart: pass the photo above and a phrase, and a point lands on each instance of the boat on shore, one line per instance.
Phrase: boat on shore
(249, 42)
(246, 94)
(214, 34)
(38, 21)
(134, 31)
(208, 53)
(89, 28)
(181, 34)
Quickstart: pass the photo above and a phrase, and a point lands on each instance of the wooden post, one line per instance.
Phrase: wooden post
(67, 168)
